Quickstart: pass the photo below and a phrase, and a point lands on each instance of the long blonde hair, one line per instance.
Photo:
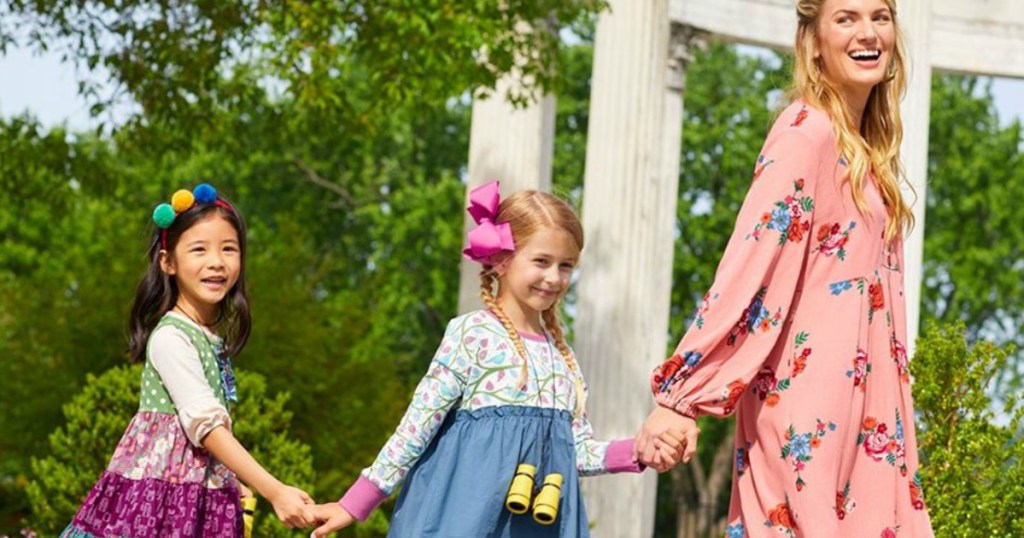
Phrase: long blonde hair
(527, 212)
(876, 147)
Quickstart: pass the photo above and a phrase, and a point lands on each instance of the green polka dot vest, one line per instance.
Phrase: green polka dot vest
(154, 396)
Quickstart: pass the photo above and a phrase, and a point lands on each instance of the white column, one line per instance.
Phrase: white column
(514, 145)
(629, 202)
(915, 19)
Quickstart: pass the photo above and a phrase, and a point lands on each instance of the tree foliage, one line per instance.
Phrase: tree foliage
(974, 244)
(95, 418)
(177, 60)
(973, 457)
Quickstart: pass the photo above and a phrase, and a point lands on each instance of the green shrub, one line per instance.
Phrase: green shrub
(972, 457)
(96, 418)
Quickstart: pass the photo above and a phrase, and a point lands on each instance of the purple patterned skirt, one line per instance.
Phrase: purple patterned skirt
(160, 485)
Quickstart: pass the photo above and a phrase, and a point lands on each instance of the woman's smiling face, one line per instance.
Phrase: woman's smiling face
(855, 43)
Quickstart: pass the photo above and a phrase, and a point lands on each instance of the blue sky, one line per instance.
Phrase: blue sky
(48, 89)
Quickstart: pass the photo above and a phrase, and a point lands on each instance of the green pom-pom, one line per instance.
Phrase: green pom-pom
(163, 216)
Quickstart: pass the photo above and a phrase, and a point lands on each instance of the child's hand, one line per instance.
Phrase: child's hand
(293, 507)
(662, 420)
(669, 449)
(333, 518)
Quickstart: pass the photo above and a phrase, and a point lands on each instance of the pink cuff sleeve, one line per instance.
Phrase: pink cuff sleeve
(362, 498)
(619, 458)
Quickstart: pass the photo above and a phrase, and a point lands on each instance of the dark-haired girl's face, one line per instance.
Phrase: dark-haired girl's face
(205, 264)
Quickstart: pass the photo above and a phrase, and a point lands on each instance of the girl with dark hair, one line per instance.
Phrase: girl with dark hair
(174, 471)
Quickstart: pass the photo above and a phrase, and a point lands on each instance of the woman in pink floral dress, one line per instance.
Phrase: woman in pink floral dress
(803, 333)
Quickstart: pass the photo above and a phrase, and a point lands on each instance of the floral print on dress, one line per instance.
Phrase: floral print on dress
(890, 532)
(767, 387)
(845, 505)
(877, 297)
(731, 394)
(155, 446)
(899, 356)
(782, 519)
(838, 288)
(788, 217)
(705, 306)
(676, 368)
(735, 531)
(917, 492)
(880, 445)
(762, 164)
(798, 447)
(800, 356)
(755, 317)
(742, 457)
(832, 239)
(861, 369)
(800, 117)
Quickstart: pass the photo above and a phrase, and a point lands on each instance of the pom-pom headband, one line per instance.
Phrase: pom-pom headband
(182, 200)
(488, 238)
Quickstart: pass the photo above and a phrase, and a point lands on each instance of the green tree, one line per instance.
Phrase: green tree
(55, 266)
(179, 60)
(96, 417)
(973, 458)
(973, 238)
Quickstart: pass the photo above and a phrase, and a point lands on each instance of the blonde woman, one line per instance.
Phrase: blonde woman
(803, 333)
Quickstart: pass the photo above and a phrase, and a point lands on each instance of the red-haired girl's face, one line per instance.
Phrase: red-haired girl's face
(534, 278)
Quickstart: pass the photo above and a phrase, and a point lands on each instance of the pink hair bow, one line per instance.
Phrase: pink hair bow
(488, 238)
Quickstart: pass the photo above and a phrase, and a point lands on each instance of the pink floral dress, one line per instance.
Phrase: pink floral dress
(803, 336)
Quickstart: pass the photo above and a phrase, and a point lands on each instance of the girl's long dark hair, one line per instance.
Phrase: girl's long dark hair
(158, 292)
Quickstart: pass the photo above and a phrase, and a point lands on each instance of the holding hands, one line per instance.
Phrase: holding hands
(665, 439)
(331, 517)
(292, 506)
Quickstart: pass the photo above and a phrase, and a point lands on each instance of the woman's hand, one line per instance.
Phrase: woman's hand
(669, 448)
(661, 428)
(332, 517)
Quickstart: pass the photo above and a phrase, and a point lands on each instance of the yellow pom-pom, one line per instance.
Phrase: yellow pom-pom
(182, 200)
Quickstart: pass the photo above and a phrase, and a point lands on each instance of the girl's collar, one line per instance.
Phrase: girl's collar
(525, 335)
(206, 330)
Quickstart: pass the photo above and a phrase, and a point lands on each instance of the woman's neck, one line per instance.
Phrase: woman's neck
(855, 100)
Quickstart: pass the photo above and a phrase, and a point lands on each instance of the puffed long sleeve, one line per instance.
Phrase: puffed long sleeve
(741, 317)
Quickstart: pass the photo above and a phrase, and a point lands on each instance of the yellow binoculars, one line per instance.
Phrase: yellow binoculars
(248, 508)
(545, 503)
